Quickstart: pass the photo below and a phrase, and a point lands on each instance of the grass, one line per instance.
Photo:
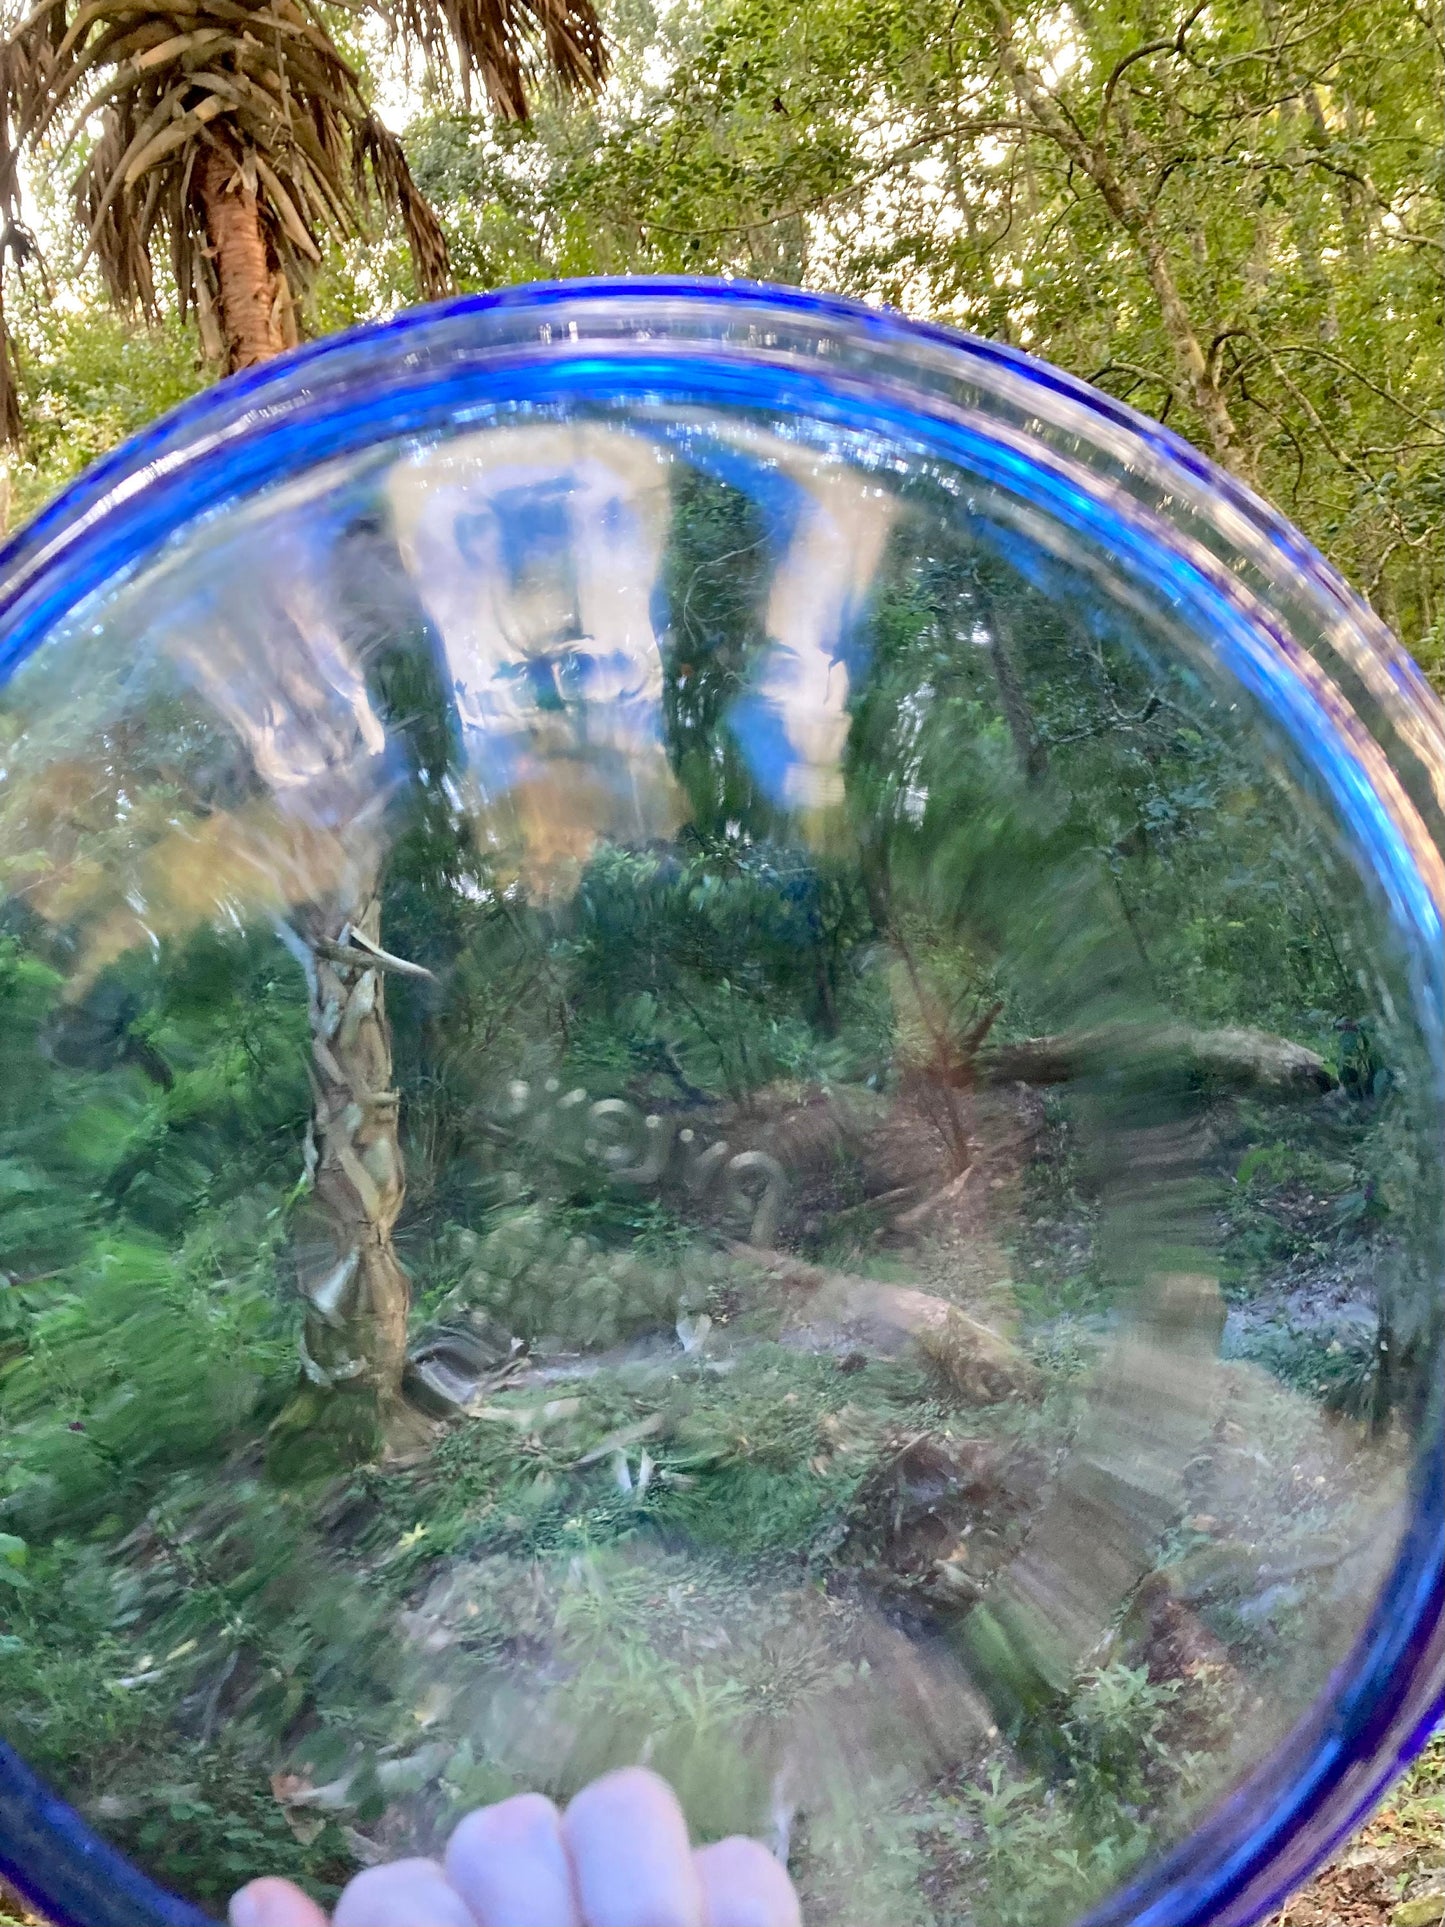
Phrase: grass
(684, 1562)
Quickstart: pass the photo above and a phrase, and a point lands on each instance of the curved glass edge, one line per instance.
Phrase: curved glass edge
(58, 1864)
(1269, 1834)
(1275, 1830)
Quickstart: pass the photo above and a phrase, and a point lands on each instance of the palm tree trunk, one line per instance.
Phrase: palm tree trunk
(355, 1334)
(354, 1341)
(250, 312)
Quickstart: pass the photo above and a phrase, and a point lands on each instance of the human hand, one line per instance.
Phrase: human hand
(618, 1857)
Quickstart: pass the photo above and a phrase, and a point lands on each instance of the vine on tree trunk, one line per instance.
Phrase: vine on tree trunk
(353, 1348)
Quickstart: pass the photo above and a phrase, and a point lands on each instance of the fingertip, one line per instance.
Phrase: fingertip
(406, 1893)
(274, 1903)
(744, 1886)
(527, 1819)
(637, 1788)
(631, 1859)
(509, 1863)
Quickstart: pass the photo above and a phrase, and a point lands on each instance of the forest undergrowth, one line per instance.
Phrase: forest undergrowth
(704, 1504)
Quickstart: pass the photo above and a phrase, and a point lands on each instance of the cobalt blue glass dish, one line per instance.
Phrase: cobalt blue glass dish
(1010, 770)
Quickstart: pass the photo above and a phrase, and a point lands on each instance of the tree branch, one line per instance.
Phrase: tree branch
(1175, 44)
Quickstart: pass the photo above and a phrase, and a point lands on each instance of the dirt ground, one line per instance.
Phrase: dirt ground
(1392, 1874)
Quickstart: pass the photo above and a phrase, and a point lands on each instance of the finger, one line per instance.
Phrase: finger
(408, 1893)
(744, 1886)
(510, 1866)
(273, 1903)
(631, 1861)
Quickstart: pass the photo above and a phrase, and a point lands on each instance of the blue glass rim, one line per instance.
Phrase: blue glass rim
(419, 372)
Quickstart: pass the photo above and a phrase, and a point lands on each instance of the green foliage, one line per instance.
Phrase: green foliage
(547, 1280)
(88, 381)
(150, 1217)
(147, 1366)
(1340, 1374)
(1038, 1851)
(1117, 1747)
(1273, 171)
(1276, 170)
(118, 1690)
(722, 971)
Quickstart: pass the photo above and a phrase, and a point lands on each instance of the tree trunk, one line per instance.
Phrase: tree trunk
(1136, 218)
(250, 311)
(358, 1297)
(1032, 754)
(1244, 1060)
(354, 1345)
(1204, 390)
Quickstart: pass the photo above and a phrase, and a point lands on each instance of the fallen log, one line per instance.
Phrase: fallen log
(841, 1311)
(1249, 1060)
(946, 1195)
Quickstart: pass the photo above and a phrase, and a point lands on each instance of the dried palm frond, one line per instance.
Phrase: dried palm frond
(509, 46)
(207, 107)
(195, 98)
(380, 151)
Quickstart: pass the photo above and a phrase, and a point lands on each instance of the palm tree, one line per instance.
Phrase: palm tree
(234, 140)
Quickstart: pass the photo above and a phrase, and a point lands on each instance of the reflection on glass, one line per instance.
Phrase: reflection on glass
(677, 1091)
